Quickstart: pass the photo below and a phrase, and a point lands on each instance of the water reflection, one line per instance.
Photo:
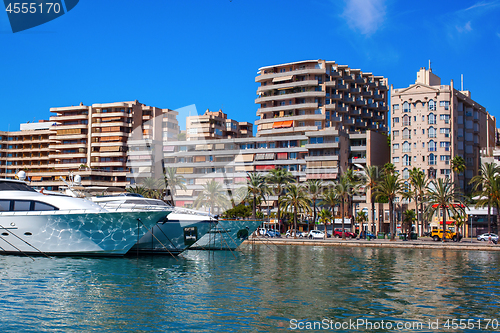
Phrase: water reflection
(260, 288)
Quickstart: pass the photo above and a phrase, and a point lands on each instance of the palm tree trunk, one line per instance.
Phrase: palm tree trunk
(343, 216)
(416, 211)
(489, 217)
(373, 216)
(254, 208)
(444, 224)
(391, 220)
(294, 222)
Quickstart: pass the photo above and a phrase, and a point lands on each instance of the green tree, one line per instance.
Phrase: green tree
(279, 178)
(138, 189)
(443, 196)
(173, 181)
(458, 166)
(343, 189)
(212, 195)
(389, 187)
(154, 187)
(325, 216)
(408, 219)
(256, 188)
(485, 187)
(419, 182)
(296, 200)
(315, 187)
(361, 218)
(330, 199)
(370, 178)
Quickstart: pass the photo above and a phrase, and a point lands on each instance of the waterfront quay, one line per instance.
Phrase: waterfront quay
(421, 243)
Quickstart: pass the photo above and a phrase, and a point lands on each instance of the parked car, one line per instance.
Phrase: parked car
(290, 233)
(369, 235)
(316, 234)
(337, 233)
(273, 234)
(485, 237)
(437, 235)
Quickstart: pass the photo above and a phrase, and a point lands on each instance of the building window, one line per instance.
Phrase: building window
(431, 132)
(432, 145)
(445, 145)
(431, 119)
(445, 131)
(445, 104)
(406, 160)
(406, 134)
(395, 120)
(317, 124)
(406, 147)
(406, 121)
(395, 106)
(395, 134)
(395, 147)
(445, 159)
(406, 107)
(395, 160)
(432, 159)
(406, 174)
(432, 105)
(445, 117)
(446, 172)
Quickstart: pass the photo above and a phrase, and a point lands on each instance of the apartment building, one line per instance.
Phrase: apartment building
(95, 142)
(432, 123)
(313, 95)
(27, 149)
(216, 125)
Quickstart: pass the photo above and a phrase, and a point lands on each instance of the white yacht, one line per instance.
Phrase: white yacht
(181, 229)
(36, 223)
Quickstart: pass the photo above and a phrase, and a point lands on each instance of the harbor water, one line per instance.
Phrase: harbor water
(260, 288)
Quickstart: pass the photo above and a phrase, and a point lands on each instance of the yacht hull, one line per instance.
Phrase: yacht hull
(227, 235)
(84, 234)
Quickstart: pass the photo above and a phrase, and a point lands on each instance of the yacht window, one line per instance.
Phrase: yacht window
(4, 205)
(21, 205)
(39, 206)
(15, 186)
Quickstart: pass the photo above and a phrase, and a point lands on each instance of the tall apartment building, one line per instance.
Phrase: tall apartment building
(216, 125)
(317, 94)
(432, 123)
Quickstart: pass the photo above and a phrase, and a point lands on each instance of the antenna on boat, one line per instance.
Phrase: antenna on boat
(21, 175)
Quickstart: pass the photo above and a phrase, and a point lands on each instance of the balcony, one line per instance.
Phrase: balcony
(348, 99)
(361, 102)
(357, 160)
(355, 112)
(295, 118)
(288, 85)
(378, 97)
(303, 94)
(322, 145)
(313, 71)
(342, 86)
(331, 107)
(367, 93)
(288, 107)
(355, 90)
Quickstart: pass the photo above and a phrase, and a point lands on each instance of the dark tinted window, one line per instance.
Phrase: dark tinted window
(15, 186)
(4, 205)
(43, 206)
(21, 205)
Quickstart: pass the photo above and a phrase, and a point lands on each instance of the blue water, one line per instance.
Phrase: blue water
(260, 288)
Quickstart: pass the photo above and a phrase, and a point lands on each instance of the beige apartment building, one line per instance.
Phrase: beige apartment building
(216, 125)
(432, 123)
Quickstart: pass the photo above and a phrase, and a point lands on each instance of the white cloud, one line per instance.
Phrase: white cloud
(466, 28)
(482, 4)
(365, 16)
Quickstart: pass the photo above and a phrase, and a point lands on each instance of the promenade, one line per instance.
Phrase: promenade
(421, 243)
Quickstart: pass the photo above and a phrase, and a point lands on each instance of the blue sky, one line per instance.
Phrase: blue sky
(171, 54)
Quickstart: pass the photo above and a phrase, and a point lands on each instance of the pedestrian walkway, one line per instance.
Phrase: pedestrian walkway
(421, 243)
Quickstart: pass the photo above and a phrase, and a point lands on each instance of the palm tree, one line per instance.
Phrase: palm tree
(370, 178)
(457, 165)
(419, 182)
(460, 220)
(296, 200)
(256, 188)
(389, 168)
(154, 187)
(330, 199)
(408, 218)
(361, 218)
(484, 187)
(343, 189)
(389, 187)
(279, 177)
(213, 195)
(442, 195)
(172, 181)
(325, 216)
(315, 187)
(138, 189)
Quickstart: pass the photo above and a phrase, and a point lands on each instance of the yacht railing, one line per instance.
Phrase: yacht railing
(54, 212)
